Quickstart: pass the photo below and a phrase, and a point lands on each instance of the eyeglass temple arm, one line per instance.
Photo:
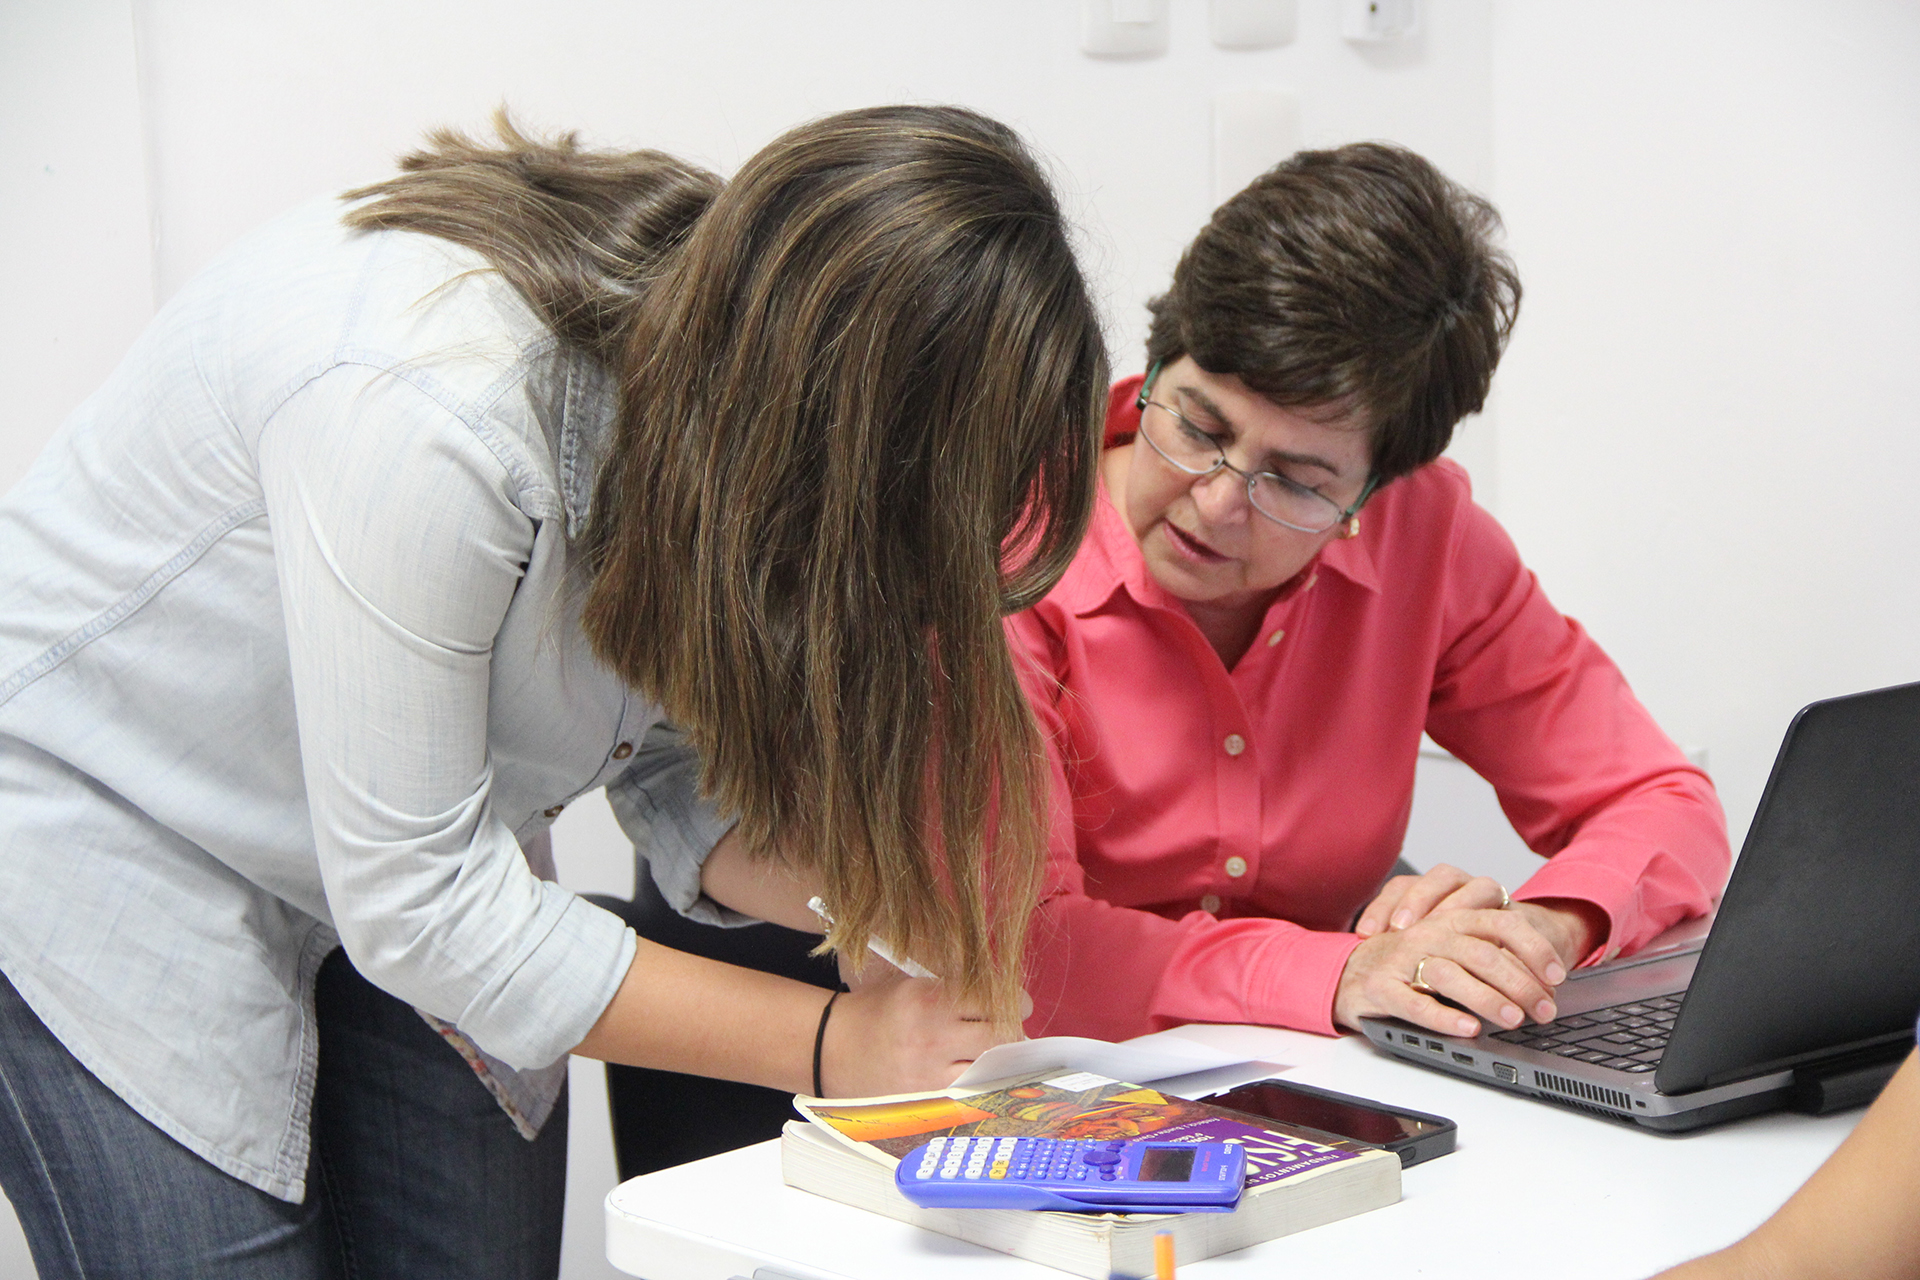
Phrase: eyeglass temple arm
(1373, 485)
(1146, 387)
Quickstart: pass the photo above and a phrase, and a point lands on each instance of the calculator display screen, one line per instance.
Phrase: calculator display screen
(1166, 1164)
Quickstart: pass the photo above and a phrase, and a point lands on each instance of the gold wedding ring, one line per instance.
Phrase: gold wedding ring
(1419, 982)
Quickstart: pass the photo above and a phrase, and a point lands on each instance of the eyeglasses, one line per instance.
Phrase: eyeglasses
(1190, 450)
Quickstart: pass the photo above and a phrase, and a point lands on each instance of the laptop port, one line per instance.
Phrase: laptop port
(1412, 1040)
(1464, 1059)
(1506, 1073)
(1436, 1046)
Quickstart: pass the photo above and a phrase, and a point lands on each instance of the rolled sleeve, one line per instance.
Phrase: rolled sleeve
(657, 802)
(535, 1009)
(1113, 972)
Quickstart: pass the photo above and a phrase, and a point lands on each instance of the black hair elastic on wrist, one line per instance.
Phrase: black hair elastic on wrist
(819, 1041)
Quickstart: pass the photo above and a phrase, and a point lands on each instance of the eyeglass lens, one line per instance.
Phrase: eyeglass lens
(1195, 452)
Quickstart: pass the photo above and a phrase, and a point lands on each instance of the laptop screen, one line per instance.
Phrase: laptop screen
(1816, 948)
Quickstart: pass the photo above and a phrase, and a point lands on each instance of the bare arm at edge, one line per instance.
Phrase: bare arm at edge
(757, 887)
(1857, 1217)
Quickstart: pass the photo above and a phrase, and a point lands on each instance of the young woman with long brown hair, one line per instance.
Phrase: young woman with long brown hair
(398, 531)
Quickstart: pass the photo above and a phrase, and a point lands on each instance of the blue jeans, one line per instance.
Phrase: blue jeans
(415, 1171)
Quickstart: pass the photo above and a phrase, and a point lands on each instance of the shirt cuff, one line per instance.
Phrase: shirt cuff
(1301, 975)
(1615, 894)
(673, 832)
(678, 880)
(537, 1011)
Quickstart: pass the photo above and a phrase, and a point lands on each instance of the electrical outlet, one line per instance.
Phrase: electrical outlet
(1123, 28)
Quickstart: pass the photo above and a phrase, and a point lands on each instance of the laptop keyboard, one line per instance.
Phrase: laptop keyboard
(1627, 1037)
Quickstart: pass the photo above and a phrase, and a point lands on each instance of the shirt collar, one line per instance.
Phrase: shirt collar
(586, 430)
(1109, 561)
(1349, 557)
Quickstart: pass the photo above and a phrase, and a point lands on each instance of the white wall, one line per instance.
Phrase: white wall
(1708, 440)
(76, 270)
(246, 109)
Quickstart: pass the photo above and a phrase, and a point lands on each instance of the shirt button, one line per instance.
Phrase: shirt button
(555, 811)
(622, 751)
(1236, 866)
(1211, 904)
(1276, 638)
(1311, 579)
(1235, 744)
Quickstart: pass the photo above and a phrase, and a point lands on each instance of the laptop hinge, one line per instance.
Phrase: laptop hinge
(1896, 1042)
(1851, 1081)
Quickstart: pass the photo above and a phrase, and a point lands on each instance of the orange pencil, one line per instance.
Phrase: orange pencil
(1163, 1255)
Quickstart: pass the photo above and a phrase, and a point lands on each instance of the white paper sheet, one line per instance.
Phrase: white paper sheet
(1179, 1052)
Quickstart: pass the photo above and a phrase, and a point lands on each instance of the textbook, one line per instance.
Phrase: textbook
(847, 1149)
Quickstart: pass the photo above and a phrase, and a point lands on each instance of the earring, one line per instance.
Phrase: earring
(1352, 529)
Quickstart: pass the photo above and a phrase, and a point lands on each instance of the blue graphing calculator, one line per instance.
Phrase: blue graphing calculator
(1085, 1177)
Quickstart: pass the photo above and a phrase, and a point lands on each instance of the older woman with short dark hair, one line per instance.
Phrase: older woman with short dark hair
(1283, 587)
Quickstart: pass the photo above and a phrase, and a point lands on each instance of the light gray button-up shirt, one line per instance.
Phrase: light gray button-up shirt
(289, 655)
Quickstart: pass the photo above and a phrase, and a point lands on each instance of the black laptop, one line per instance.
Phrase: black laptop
(1804, 991)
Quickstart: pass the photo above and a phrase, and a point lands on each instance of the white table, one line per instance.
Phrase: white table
(1532, 1191)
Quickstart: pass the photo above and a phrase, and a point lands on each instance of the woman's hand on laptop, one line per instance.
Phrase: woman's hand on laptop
(1406, 900)
(1575, 928)
(1497, 964)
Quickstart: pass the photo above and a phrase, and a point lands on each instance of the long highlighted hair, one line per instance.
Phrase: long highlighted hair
(861, 388)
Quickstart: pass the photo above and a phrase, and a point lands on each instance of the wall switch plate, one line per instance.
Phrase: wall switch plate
(1252, 24)
(1253, 130)
(1123, 28)
(1371, 21)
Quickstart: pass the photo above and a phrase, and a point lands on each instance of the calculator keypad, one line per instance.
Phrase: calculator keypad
(1034, 1160)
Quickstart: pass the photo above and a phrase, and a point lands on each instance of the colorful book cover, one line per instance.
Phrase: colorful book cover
(1078, 1105)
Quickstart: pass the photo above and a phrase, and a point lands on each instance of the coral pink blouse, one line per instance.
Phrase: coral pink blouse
(1215, 831)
